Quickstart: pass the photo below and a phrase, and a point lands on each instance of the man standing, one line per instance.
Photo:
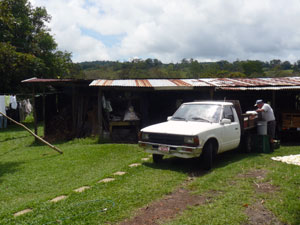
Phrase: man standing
(267, 115)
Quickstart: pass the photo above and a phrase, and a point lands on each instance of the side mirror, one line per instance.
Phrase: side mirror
(169, 118)
(225, 121)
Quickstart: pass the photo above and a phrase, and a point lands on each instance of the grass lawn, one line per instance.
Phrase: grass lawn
(32, 174)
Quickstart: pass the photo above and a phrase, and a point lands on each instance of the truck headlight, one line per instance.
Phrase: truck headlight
(191, 140)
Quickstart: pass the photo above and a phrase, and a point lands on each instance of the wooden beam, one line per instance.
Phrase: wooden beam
(100, 113)
(211, 93)
(74, 119)
(34, 112)
(273, 99)
(44, 111)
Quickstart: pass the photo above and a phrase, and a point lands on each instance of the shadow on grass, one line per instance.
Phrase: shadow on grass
(9, 151)
(193, 166)
(14, 138)
(14, 127)
(8, 168)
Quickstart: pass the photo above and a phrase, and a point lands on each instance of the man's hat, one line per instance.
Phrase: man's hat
(258, 102)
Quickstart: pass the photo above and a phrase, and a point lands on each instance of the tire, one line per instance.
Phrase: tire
(157, 158)
(207, 156)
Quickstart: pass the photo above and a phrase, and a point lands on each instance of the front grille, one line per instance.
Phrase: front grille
(168, 139)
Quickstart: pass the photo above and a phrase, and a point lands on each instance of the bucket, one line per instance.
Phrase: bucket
(262, 127)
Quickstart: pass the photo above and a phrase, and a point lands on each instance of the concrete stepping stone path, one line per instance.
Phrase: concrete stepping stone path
(82, 189)
(119, 173)
(59, 198)
(22, 212)
(106, 180)
(135, 165)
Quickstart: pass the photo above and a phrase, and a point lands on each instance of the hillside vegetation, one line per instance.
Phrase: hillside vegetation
(187, 68)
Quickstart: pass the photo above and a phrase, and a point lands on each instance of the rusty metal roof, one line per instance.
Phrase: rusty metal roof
(234, 84)
(219, 83)
(42, 80)
(277, 88)
(52, 81)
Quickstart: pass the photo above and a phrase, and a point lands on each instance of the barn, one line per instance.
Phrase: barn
(79, 108)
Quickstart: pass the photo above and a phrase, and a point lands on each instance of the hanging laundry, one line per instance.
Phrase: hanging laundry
(28, 107)
(3, 120)
(13, 102)
(2, 104)
(7, 101)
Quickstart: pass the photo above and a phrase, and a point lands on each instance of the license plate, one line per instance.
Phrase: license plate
(163, 148)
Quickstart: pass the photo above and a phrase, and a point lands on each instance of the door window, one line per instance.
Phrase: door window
(228, 113)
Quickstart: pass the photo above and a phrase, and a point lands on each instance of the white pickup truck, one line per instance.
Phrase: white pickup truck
(196, 129)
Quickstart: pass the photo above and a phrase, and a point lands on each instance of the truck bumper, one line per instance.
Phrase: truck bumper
(173, 150)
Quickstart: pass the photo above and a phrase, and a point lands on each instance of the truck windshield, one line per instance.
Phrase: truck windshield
(198, 112)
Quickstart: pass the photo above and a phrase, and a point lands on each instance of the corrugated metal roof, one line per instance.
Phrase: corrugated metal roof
(233, 84)
(260, 88)
(41, 80)
(220, 83)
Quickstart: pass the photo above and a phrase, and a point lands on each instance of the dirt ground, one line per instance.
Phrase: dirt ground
(166, 208)
(173, 204)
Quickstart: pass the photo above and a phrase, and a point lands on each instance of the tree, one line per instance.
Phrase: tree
(16, 66)
(253, 67)
(27, 48)
(275, 63)
(286, 65)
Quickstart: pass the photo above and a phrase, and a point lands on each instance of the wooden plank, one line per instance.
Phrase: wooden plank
(74, 108)
(44, 111)
(34, 112)
(100, 113)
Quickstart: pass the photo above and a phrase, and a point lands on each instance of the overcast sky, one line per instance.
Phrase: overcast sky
(170, 30)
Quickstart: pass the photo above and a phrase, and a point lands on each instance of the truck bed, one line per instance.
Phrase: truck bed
(249, 121)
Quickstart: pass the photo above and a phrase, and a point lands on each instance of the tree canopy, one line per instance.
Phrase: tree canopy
(187, 68)
(27, 48)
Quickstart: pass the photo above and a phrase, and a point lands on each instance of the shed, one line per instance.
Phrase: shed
(153, 100)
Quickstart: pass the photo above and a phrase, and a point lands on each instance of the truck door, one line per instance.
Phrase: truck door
(232, 131)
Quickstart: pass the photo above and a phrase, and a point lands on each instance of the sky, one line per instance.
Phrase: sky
(171, 30)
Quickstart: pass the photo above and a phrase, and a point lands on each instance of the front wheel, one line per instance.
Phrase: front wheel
(207, 156)
(157, 158)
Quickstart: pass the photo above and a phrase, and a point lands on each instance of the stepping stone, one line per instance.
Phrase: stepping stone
(119, 173)
(135, 165)
(81, 189)
(106, 180)
(59, 198)
(22, 212)
(145, 159)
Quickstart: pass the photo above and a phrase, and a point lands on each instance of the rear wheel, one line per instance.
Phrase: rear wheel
(157, 158)
(207, 156)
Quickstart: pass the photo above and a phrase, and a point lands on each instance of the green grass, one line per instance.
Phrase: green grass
(228, 207)
(31, 174)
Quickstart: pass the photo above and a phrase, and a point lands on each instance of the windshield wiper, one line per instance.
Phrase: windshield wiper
(200, 118)
(178, 118)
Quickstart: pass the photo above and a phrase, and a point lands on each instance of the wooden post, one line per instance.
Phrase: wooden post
(44, 110)
(100, 114)
(34, 112)
(211, 93)
(74, 119)
(273, 99)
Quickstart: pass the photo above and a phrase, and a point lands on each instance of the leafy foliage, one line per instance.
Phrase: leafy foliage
(27, 49)
(153, 68)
